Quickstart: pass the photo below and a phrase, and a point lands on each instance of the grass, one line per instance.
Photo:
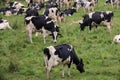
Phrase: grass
(20, 60)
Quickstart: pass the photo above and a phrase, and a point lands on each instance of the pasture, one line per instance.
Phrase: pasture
(21, 60)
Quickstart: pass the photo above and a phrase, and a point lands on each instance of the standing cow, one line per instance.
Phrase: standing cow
(65, 54)
(41, 22)
(97, 18)
(4, 24)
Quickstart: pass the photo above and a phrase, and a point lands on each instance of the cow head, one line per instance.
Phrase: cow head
(53, 28)
(82, 26)
(55, 33)
(108, 15)
(80, 66)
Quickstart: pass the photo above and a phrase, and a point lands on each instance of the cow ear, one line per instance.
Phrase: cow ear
(81, 60)
(60, 35)
(50, 34)
(81, 21)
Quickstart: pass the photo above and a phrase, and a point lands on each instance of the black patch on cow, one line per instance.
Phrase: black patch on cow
(38, 21)
(46, 12)
(1, 21)
(31, 12)
(47, 53)
(63, 51)
(27, 21)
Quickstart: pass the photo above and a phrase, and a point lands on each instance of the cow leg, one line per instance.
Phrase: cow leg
(44, 34)
(29, 33)
(63, 68)
(48, 71)
(90, 27)
(45, 60)
(69, 69)
(8, 26)
(108, 24)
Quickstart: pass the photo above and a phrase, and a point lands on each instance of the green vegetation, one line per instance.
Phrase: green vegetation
(20, 60)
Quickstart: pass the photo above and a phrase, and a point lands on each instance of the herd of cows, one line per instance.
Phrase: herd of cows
(46, 24)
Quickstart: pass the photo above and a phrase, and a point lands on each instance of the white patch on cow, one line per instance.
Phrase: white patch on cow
(90, 14)
(48, 22)
(52, 50)
(80, 21)
(108, 12)
(117, 38)
(101, 15)
(8, 13)
(54, 59)
(29, 18)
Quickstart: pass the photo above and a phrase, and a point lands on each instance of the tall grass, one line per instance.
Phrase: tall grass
(20, 60)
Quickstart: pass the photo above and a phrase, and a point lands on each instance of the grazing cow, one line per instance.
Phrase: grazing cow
(113, 2)
(51, 12)
(86, 5)
(97, 18)
(43, 23)
(15, 5)
(31, 2)
(38, 6)
(117, 38)
(65, 54)
(4, 24)
(70, 11)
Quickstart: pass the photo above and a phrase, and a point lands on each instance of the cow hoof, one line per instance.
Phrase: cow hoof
(63, 76)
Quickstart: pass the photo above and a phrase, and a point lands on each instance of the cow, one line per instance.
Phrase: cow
(51, 12)
(15, 5)
(70, 11)
(116, 39)
(97, 18)
(65, 54)
(93, 1)
(37, 6)
(31, 12)
(86, 5)
(31, 2)
(113, 2)
(60, 16)
(4, 24)
(43, 23)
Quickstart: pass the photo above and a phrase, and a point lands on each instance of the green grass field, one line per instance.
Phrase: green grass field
(20, 60)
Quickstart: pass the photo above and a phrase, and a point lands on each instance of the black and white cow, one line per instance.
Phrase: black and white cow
(97, 18)
(43, 23)
(86, 5)
(116, 39)
(51, 13)
(15, 5)
(4, 24)
(31, 2)
(113, 2)
(31, 12)
(65, 54)
(37, 6)
(70, 11)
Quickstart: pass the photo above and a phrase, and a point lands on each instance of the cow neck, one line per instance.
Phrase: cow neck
(74, 57)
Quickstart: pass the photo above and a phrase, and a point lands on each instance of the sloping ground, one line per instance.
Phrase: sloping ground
(20, 60)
